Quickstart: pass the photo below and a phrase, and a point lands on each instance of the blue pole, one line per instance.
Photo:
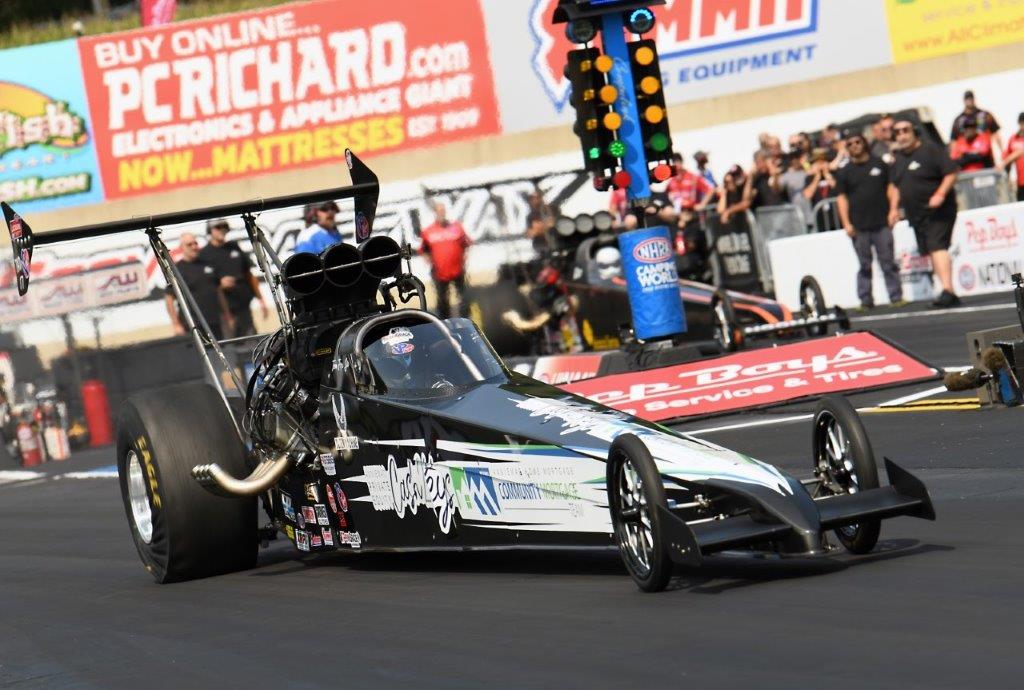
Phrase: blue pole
(621, 77)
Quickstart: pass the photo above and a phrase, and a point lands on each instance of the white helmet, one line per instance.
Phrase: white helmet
(609, 263)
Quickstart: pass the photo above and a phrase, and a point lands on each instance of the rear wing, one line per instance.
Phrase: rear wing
(365, 190)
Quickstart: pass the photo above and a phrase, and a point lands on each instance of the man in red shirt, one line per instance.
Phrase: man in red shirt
(445, 242)
(686, 190)
(1015, 155)
(972, 150)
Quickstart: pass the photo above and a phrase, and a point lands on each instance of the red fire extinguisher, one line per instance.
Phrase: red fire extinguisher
(28, 443)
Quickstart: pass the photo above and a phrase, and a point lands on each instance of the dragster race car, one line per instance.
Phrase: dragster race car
(370, 427)
(580, 286)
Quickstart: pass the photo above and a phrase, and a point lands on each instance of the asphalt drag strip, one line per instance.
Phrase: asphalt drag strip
(937, 605)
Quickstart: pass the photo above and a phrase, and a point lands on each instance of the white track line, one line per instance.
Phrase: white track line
(931, 312)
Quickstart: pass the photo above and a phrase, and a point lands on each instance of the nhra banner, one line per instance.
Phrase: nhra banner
(854, 361)
(259, 92)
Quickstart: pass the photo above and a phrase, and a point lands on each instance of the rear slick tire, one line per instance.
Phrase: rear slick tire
(634, 492)
(181, 531)
(843, 456)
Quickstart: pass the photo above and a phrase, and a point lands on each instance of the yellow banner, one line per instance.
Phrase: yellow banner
(923, 29)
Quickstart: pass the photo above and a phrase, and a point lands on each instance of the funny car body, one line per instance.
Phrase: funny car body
(369, 427)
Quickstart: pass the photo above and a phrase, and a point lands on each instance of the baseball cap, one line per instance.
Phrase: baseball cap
(328, 206)
(700, 155)
(217, 223)
(968, 94)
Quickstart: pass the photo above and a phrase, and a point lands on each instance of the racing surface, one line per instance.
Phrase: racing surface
(937, 605)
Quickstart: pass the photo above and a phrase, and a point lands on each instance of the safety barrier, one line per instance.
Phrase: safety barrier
(981, 188)
(826, 215)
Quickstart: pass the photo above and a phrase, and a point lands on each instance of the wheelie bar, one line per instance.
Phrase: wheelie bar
(905, 495)
(834, 315)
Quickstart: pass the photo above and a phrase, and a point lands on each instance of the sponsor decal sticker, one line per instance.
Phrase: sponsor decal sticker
(327, 462)
(321, 515)
(345, 442)
(315, 540)
(312, 494)
(290, 531)
(286, 504)
(309, 515)
(302, 539)
(350, 539)
(404, 487)
(330, 499)
(342, 498)
(652, 251)
(328, 536)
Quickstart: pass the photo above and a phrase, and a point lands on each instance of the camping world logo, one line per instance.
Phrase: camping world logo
(684, 27)
(652, 251)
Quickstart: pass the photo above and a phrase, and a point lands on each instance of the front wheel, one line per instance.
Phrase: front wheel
(634, 492)
(181, 531)
(812, 303)
(724, 326)
(844, 463)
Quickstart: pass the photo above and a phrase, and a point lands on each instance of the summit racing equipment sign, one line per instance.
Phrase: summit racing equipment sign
(282, 88)
(706, 48)
(855, 361)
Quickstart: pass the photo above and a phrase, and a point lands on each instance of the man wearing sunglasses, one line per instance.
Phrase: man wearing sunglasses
(203, 281)
(868, 208)
(924, 176)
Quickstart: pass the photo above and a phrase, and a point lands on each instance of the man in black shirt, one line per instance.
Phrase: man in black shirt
(236, 277)
(985, 120)
(763, 187)
(868, 209)
(924, 175)
(203, 281)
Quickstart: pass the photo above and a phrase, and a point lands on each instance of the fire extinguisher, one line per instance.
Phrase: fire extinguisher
(28, 443)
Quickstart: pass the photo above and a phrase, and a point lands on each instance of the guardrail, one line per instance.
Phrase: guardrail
(826, 215)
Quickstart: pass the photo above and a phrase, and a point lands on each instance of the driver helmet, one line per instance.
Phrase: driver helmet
(399, 346)
(609, 263)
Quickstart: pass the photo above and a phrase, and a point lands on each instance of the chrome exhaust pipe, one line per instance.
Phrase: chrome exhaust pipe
(215, 480)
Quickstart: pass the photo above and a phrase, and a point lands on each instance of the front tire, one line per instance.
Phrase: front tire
(724, 326)
(634, 492)
(844, 463)
(812, 303)
(181, 531)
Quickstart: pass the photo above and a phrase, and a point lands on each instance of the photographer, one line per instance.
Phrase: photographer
(820, 185)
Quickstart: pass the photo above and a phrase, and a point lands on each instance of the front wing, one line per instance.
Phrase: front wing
(905, 495)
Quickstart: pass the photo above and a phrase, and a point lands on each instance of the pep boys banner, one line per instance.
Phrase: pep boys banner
(259, 92)
(855, 361)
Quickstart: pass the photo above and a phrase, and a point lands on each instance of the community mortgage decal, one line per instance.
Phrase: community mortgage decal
(259, 92)
(47, 155)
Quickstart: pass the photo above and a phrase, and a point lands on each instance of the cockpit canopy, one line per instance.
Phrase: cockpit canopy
(416, 359)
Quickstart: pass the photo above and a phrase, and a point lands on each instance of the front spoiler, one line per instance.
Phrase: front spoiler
(905, 495)
(835, 315)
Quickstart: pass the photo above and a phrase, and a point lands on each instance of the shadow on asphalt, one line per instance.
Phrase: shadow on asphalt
(718, 573)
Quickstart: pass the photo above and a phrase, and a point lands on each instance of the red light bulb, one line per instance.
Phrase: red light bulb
(662, 172)
(622, 179)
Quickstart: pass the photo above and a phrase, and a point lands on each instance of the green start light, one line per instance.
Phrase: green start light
(659, 142)
(594, 152)
(617, 148)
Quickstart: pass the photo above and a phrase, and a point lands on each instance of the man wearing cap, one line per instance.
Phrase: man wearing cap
(972, 150)
(701, 158)
(985, 121)
(236, 277)
(445, 242)
(323, 234)
(868, 208)
(924, 175)
(203, 282)
(1014, 155)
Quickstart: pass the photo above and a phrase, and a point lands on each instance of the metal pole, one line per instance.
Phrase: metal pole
(259, 245)
(101, 8)
(186, 304)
